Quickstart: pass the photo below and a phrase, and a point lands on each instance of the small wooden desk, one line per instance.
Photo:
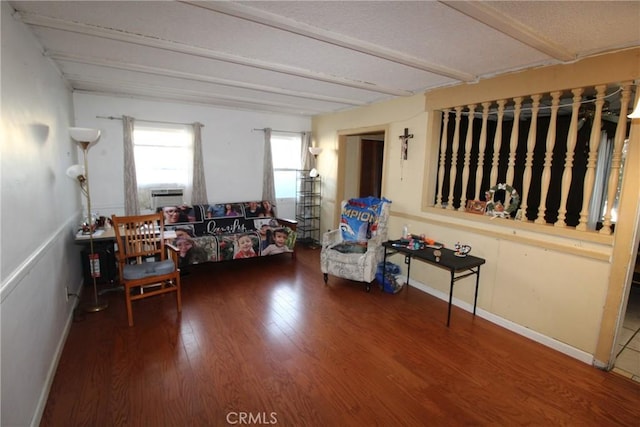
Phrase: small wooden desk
(459, 267)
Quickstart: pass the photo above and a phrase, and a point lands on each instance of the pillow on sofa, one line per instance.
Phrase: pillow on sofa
(180, 214)
(359, 219)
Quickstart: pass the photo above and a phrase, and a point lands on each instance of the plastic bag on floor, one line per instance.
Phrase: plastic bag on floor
(386, 275)
(389, 267)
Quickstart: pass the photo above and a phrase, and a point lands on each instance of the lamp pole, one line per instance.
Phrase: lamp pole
(84, 137)
(94, 259)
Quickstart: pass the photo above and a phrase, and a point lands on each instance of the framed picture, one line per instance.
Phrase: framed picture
(476, 207)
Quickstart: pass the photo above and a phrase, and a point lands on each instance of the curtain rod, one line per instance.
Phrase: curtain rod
(282, 131)
(147, 121)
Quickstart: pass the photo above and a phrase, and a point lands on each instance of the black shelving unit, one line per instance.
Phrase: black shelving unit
(308, 209)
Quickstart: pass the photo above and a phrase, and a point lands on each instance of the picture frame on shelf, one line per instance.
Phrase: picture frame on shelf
(477, 207)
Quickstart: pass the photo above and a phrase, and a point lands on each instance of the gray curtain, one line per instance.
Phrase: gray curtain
(599, 195)
(131, 204)
(305, 161)
(199, 190)
(268, 186)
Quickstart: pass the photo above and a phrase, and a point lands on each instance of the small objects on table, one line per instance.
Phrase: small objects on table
(461, 249)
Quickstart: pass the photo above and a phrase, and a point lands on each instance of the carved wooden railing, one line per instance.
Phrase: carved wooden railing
(460, 145)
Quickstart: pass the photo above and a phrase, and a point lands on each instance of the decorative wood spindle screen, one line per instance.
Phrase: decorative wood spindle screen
(544, 146)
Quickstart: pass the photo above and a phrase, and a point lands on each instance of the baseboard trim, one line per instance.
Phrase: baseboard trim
(507, 324)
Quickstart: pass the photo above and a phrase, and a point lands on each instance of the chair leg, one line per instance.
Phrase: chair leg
(325, 276)
(129, 309)
(178, 294)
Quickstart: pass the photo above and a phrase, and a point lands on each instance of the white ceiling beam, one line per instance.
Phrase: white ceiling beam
(160, 91)
(285, 24)
(165, 72)
(206, 102)
(507, 25)
(122, 36)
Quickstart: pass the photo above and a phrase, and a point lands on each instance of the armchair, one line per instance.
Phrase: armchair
(148, 266)
(355, 260)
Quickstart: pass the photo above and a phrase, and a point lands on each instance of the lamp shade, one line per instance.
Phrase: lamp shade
(315, 150)
(75, 171)
(84, 134)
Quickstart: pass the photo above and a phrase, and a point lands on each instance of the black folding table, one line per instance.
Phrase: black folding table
(459, 266)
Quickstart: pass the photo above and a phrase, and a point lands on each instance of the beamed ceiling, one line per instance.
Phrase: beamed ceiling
(313, 57)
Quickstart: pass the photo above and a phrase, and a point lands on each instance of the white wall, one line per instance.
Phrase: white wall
(232, 150)
(41, 206)
(39, 209)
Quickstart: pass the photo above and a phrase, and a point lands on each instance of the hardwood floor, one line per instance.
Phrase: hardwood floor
(265, 342)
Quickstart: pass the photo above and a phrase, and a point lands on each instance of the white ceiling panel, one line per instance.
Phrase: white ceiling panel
(313, 57)
(610, 26)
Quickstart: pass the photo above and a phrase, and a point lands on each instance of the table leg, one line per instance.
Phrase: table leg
(407, 260)
(384, 262)
(450, 299)
(475, 299)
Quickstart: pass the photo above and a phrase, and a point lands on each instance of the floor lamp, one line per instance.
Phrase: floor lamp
(315, 151)
(84, 137)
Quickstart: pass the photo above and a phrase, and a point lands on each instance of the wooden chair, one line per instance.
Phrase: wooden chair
(148, 265)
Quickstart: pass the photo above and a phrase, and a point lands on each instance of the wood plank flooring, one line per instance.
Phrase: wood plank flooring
(264, 342)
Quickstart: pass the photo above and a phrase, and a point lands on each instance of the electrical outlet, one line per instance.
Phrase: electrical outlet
(66, 293)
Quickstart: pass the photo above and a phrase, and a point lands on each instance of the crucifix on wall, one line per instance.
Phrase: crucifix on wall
(405, 142)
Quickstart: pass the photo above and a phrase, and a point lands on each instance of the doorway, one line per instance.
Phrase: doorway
(360, 170)
(371, 156)
(627, 349)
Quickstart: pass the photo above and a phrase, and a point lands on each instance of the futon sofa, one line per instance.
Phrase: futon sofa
(228, 231)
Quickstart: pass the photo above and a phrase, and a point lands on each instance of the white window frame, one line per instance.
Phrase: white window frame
(285, 153)
(286, 156)
(153, 141)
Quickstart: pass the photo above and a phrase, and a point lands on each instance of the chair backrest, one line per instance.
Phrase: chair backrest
(376, 223)
(140, 237)
(383, 220)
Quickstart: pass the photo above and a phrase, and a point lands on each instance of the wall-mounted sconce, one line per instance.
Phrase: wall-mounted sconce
(315, 151)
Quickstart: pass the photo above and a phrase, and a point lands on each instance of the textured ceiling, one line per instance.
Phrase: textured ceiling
(313, 57)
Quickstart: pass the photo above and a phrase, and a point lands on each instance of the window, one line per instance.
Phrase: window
(164, 159)
(285, 152)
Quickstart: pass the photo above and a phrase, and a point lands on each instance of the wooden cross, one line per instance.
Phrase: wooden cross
(405, 142)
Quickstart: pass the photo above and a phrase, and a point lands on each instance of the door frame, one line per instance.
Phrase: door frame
(342, 162)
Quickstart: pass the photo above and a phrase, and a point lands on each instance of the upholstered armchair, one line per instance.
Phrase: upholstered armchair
(355, 260)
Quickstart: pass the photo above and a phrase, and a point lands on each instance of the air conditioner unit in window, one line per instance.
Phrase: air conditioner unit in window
(166, 197)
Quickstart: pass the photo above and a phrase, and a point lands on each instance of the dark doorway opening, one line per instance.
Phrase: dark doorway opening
(371, 156)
